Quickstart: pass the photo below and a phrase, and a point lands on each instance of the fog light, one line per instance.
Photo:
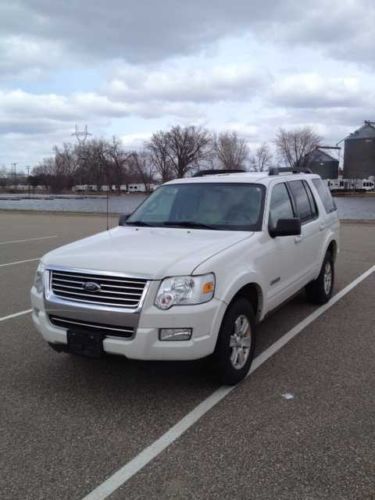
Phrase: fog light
(175, 333)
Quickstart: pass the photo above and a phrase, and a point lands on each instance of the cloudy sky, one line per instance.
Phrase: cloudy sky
(131, 67)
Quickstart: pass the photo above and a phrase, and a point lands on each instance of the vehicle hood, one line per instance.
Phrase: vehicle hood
(153, 253)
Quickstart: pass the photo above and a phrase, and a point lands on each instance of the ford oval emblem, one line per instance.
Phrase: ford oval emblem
(91, 286)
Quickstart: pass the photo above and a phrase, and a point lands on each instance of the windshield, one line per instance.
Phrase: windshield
(225, 206)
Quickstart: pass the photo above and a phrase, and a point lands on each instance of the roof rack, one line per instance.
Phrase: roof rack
(202, 173)
(277, 171)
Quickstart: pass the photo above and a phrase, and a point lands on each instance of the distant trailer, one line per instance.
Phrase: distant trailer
(141, 188)
(136, 188)
(358, 185)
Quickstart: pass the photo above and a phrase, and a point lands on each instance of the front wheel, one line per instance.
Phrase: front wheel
(320, 290)
(235, 344)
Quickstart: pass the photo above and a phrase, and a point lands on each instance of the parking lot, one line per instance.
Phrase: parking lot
(300, 426)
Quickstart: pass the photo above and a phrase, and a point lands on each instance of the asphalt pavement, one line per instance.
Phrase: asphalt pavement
(301, 426)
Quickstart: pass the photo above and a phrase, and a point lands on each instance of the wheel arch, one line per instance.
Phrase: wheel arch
(332, 249)
(252, 292)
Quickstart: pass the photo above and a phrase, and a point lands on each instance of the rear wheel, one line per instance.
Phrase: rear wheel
(235, 344)
(320, 290)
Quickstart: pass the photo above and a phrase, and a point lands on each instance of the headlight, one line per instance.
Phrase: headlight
(185, 290)
(38, 279)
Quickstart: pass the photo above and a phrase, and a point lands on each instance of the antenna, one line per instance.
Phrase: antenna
(81, 135)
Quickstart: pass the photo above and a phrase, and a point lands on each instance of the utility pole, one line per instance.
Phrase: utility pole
(14, 165)
(28, 180)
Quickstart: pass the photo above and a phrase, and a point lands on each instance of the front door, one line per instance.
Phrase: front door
(280, 259)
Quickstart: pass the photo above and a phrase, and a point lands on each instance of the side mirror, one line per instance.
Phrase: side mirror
(123, 218)
(287, 227)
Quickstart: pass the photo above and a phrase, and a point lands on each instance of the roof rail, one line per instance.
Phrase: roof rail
(202, 173)
(277, 171)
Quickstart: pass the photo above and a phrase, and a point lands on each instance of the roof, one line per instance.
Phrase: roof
(367, 131)
(249, 177)
(320, 156)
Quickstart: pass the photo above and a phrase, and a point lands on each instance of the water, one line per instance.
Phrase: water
(72, 203)
(356, 207)
(353, 207)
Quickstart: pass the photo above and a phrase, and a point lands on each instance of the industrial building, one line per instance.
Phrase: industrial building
(323, 164)
(359, 152)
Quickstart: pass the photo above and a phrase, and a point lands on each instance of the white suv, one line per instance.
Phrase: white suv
(192, 270)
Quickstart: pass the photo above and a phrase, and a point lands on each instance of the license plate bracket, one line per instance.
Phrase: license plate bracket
(83, 343)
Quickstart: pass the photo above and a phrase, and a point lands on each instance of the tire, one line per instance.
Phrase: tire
(320, 290)
(232, 362)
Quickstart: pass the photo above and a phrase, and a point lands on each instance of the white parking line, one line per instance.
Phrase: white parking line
(28, 239)
(18, 262)
(15, 315)
(121, 476)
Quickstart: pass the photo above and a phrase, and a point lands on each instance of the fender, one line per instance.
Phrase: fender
(235, 268)
(231, 288)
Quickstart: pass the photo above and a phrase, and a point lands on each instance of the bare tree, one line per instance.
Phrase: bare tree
(142, 168)
(93, 162)
(118, 163)
(294, 146)
(179, 150)
(45, 172)
(65, 166)
(159, 155)
(3, 177)
(231, 150)
(261, 159)
(187, 146)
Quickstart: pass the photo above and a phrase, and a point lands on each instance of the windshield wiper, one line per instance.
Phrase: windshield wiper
(138, 223)
(188, 223)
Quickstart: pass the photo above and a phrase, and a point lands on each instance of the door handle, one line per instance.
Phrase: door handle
(298, 239)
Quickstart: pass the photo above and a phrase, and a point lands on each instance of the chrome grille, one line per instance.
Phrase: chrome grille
(114, 291)
(108, 330)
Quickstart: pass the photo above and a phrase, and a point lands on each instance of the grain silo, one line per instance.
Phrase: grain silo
(359, 152)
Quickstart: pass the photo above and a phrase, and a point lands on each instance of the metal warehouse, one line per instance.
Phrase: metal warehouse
(323, 164)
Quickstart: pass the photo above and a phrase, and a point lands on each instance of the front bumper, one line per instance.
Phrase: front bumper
(204, 319)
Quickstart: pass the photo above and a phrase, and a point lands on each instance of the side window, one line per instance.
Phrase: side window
(314, 208)
(325, 195)
(301, 201)
(280, 205)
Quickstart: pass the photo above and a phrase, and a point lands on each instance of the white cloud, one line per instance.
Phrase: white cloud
(130, 68)
(184, 84)
(32, 113)
(312, 90)
(135, 140)
(28, 57)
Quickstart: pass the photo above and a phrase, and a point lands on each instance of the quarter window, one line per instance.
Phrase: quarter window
(280, 206)
(325, 195)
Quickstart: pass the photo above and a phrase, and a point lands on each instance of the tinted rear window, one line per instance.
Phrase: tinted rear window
(303, 205)
(325, 195)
